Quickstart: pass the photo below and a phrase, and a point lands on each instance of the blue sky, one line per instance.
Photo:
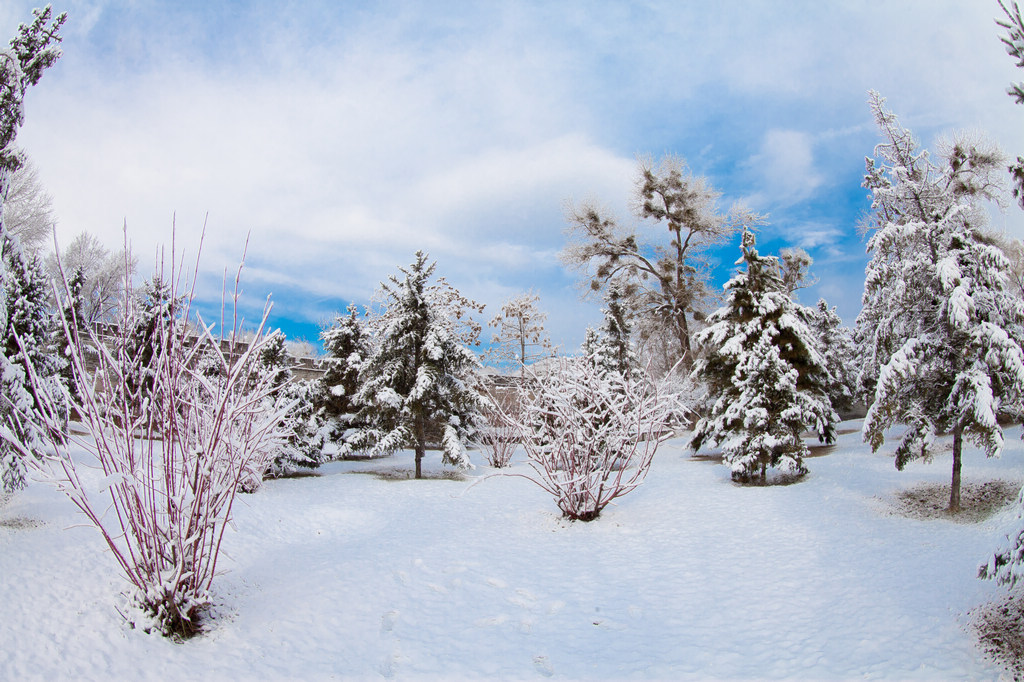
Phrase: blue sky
(345, 136)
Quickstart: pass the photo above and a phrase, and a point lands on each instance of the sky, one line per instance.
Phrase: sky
(341, 138)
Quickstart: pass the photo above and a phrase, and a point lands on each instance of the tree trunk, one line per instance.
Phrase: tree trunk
(421, 445)
(684, 341)
(954, 488)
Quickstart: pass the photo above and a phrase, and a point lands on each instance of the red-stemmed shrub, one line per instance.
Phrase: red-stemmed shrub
(172, 453)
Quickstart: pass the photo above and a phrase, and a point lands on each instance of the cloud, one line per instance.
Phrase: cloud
(345, 136)
(783, 169)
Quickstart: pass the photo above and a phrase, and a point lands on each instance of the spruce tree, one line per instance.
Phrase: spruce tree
(835, 343)
(26, 347)
(346, 345)
(764, 374)
(417, 384)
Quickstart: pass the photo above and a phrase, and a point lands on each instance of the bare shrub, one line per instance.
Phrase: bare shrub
(498, 437)
(590, 435)
(172, 468)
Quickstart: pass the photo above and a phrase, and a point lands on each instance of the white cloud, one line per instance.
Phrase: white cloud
(345, 138)
(784, 170)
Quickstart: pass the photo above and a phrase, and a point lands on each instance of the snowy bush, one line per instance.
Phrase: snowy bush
(590, 435)
(170, 470)
(498, 437)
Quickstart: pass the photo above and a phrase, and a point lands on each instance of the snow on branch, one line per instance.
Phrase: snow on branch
(590, 435)
(171, 449)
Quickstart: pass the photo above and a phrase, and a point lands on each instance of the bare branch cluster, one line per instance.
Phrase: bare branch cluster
(520, 337)
(590, 435)
(665, 285)
(171, 466)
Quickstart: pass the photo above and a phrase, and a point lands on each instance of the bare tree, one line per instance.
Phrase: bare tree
(103, 275)
(28, 210)
(663, 285)
(521, 336)
(795, 267)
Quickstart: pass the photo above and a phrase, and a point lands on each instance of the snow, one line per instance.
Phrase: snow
(348, 575)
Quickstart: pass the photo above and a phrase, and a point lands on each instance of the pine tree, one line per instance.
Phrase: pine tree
(835, 342)
(417, 382)
(765, 376)
(32, 51)
(152, 317)
(303, 448)
(613, 351)
(943, 324)
(346, 346)
(275, 360)
(27, 347)
(590, 342)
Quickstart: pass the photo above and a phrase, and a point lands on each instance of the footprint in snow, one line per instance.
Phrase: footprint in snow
(387, 621)
(491, 621)
(543, 666)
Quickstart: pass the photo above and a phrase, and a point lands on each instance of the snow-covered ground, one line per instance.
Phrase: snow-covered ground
(352, 576)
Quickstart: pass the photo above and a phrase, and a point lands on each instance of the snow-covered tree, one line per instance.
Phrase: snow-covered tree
(418, 382)
(795, 264)
(28, 209)
(590, 341)
(155, 313)
(765, 376)
(520, 337)
(835, 342)
(347, 347)
(942, 324)
(664, 285)
(613, 350)
(31, 51)
(27, 347)
(1014, 43)
(103, 275)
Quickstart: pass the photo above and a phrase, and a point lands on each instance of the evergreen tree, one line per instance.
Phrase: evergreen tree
(613, 351)
(27, 347)
(1014, 43)
(152, 316)
(664, 282)
(275, 360)
(835, 342)
(942, 322)
(765, 375)
(418, 381)
(590, 342)
(32, 51)
(346, 345)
